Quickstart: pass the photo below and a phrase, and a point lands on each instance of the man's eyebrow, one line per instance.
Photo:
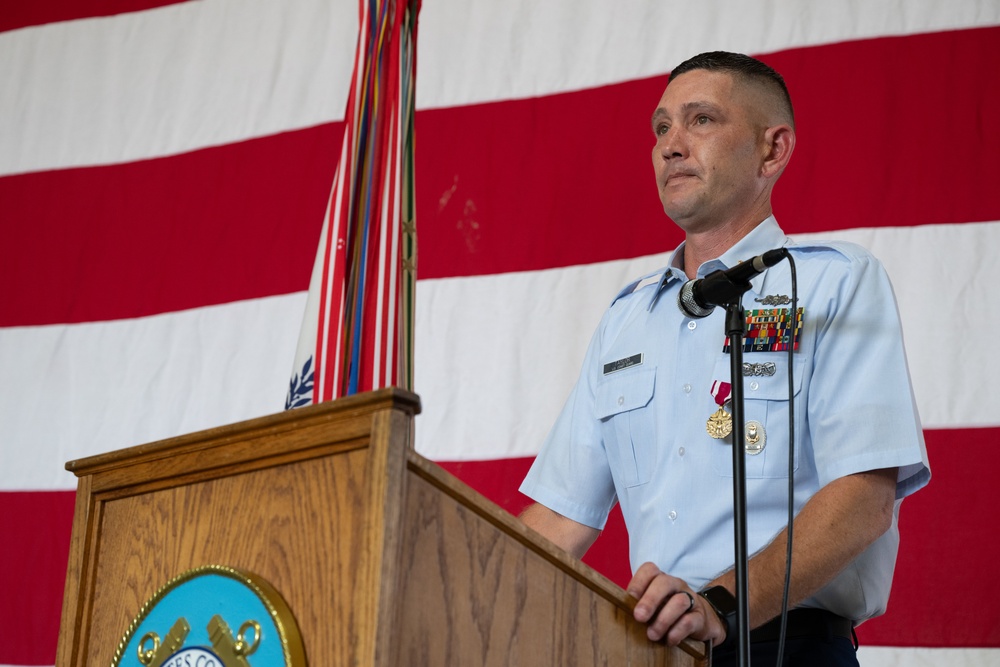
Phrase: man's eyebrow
(686, 108)
(700, 105)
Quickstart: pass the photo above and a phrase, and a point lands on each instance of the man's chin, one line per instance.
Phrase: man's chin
(680, 214)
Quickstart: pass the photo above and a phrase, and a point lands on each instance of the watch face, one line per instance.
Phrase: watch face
(721, 599)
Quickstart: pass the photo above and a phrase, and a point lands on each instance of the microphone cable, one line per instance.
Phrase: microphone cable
(791, 459)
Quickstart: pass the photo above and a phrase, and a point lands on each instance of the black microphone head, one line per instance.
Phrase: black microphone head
(688, 302)
(769, 259)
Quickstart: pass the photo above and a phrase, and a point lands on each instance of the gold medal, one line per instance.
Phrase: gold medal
(756, 438)
(720, 424)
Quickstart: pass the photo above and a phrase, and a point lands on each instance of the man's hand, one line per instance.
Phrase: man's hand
(671, 609)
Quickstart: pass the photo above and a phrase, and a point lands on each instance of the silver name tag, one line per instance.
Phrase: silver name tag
(622, 364)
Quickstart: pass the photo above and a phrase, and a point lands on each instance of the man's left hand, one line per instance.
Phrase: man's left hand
(671, 609)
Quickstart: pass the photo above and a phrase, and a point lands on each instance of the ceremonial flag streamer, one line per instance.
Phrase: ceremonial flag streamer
(357, 332)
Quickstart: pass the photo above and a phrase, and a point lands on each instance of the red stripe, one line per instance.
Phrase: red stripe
(511, 186)
(36, 528)
(891, 132)
(27, 13)
(942, 524)
(947, 550)
(162, 235)
(499, 480)
(945, 578)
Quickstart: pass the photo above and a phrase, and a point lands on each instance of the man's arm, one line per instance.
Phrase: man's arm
(833, 528)
(572, 536)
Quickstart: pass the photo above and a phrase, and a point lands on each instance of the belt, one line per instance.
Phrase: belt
(805, 623)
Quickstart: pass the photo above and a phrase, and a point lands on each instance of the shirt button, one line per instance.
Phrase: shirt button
(680, 452)
(673, 515)
(621, 400)
(754, 385)
(692, 325)
(687, 389)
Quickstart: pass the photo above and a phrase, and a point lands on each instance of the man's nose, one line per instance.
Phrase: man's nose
(672, 144)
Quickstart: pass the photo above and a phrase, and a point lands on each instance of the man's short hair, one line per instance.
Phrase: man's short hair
(743, 67)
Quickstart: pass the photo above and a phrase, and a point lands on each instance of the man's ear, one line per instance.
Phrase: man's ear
(779, 142)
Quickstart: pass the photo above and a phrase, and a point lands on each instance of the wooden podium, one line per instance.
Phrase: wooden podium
(383, 557)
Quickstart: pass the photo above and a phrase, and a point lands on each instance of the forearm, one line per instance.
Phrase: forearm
(570, 535)
(833, 528)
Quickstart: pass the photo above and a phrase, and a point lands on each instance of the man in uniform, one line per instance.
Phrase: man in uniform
(638, 427)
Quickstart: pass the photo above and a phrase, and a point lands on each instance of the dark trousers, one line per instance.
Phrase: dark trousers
(815, 638)
(799, 652)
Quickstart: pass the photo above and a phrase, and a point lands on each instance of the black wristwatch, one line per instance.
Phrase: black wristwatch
(724, 604)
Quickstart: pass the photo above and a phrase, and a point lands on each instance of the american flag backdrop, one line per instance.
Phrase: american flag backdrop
(165, 169)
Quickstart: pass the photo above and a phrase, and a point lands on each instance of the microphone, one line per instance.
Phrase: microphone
(698, 298)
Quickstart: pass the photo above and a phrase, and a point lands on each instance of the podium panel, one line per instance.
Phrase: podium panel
(382, 557)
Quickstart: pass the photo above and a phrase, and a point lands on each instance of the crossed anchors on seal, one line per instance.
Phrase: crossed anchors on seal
(232, 652)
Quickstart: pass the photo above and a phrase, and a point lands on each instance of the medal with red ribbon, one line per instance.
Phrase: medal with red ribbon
(720, 424)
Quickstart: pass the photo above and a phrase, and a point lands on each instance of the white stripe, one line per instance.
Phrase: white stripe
(495, 357)
(480, 51)
(170, 80)
(891, 656)
(208, 73)
(70, 391)
(944, 277)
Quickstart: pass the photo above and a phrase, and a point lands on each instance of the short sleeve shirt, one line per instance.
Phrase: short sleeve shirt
(633, 430)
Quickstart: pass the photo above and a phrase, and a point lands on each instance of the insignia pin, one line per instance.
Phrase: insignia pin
(755, 437)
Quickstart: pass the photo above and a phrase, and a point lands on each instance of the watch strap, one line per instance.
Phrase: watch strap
(724, 604)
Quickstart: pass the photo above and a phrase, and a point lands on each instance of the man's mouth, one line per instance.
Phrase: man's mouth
(678, 177)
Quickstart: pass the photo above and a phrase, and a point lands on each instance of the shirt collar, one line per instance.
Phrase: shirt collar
(765, 236)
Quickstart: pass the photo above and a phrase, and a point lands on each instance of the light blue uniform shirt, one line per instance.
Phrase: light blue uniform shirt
(635, 431)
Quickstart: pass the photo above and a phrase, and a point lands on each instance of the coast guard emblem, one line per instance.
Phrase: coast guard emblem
(187, 624)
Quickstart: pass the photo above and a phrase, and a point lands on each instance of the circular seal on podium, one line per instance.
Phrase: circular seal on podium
(189, 623)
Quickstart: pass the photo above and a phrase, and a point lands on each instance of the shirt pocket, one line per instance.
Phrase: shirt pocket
(628, 423)
(767, 408)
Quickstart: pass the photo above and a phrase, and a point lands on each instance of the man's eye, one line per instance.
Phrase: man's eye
(702, 120)
(661, 129)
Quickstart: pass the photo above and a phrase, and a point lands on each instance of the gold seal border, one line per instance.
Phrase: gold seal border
(292, 647)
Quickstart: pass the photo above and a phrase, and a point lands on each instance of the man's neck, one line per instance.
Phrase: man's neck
(700, 247)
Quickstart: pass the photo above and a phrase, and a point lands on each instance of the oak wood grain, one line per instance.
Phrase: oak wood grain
(383, 558)
(480, 588)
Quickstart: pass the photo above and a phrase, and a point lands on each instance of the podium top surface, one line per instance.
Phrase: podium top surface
(346, 408)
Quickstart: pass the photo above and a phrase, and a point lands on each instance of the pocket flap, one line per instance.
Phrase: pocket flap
(624, 391)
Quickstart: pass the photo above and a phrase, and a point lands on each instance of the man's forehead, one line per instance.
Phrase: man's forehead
(697, 89)
(701, 83)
